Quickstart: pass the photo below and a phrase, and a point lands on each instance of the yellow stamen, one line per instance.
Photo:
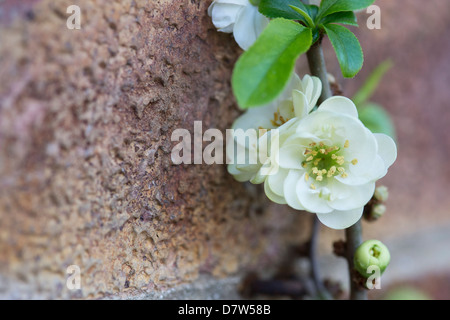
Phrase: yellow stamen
(313, 186)
(306, 177)
(310, 158)
(341, 170)
(347, 144)
(319, 178)
(344, 175)
(355, 162)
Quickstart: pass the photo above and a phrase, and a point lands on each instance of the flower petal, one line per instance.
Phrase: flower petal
(301, 107)
(311, 199)
(224, 15)
(249, 25)
(291, 157)
(272, 195)
(344, 197)
(316, 93)
(290, 194)
(340, 104)
(387, 149)
(341, 219)
(276, 181)
(239, 175)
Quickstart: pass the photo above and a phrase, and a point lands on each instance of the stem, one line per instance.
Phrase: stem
(353, 234)
(321, 290)
(354, 239)
(316, 61)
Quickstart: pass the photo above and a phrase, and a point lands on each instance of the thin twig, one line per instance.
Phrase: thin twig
(321, 290)
(354, 240)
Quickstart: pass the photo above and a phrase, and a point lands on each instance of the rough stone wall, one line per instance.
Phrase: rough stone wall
(86, 118)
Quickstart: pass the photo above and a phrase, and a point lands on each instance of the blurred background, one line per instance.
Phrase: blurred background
(414, 91)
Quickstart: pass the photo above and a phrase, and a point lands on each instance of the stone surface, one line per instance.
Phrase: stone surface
(86, 118)
(85, 134)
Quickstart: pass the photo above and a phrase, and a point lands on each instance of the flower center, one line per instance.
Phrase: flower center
(323, 161)
(278, 120)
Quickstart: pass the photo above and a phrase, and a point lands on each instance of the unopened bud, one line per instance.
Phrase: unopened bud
(378, 211)
(381, 193)
(371, 253)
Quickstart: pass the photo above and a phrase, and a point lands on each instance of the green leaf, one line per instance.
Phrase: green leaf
(347, 47)
(328, 7)
(377, 119)
(371, 84)
(281, 9)
(313, 10)
(262, 72)
(308, 19)
(345, 17)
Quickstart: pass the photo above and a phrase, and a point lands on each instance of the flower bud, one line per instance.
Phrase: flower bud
(381, 193)
(371, 253)
(377, 211)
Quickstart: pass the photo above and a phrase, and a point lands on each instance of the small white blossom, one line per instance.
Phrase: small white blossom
(296, 101)
(239, 17)
(327, 161)
(329, 166)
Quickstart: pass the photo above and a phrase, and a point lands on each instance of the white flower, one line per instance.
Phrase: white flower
(239, 17)
(296, 101)
(329, 165)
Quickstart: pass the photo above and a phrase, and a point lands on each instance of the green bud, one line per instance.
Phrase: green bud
(377, 211)
(255, 2)
(371, 253)
(381, 193)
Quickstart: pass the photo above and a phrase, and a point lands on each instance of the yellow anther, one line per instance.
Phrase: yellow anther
(344, 175)
(306, 177)
(312, 144)
(314, 153)
(330, 174)
(347, 144)
(321, 144)
(313, 186)
(315, 170)
(307, 151)
(324, 171)
(332, 170)
(322, 151)
(355, 162)
(340, 160)
(319, 178)
(316, 162)
(304, 164)
(333, 156)
(341, 170)
(310, 158)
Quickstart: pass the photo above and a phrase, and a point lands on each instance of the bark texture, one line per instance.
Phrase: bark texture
(85, 134)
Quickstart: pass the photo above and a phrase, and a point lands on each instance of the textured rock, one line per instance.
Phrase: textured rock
(85, 126)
